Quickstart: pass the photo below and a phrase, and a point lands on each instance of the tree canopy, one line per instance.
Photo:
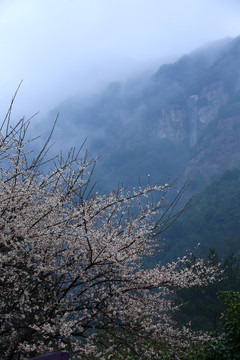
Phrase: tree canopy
(71, 274)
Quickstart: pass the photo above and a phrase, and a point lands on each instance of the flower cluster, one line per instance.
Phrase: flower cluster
(71, 274)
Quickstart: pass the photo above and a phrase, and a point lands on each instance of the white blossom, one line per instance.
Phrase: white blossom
(70, 262)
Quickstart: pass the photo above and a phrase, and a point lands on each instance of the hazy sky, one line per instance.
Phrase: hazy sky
(63, 47)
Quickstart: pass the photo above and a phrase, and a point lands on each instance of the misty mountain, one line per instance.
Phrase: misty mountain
(183, 122)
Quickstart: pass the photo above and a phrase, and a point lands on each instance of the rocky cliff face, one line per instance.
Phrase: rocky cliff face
(204, 112)
(217, 150)
(171, 123)
(218, 141)
(210, 100)
(185, 122)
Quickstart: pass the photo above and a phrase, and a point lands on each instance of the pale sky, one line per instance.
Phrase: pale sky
(63, 47)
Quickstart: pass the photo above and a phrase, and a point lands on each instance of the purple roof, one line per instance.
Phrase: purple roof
(62, 355)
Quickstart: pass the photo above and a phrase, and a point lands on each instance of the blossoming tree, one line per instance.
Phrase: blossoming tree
(71, 274)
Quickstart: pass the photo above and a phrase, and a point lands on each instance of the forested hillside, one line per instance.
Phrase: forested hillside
(212, 220)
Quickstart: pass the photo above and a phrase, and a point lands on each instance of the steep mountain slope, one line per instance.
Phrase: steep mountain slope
(183, 122)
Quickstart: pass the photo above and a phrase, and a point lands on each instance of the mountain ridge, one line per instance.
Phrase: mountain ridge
(183, 122)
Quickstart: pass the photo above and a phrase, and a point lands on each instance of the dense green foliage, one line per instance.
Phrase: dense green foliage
(231, 318)
(201, 305)
(227, 345)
